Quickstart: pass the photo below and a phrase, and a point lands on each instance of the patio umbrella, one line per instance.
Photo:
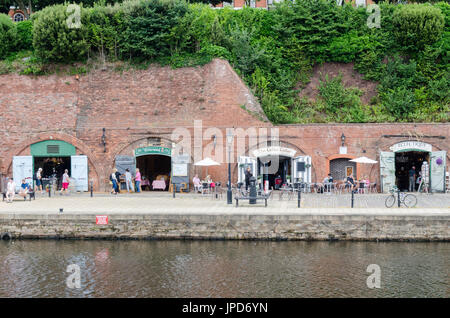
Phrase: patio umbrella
(207, 162)
(363, 160)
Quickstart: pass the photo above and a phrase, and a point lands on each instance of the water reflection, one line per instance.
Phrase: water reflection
(222, 269)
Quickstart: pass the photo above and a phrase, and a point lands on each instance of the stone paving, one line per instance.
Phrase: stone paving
(163, 202)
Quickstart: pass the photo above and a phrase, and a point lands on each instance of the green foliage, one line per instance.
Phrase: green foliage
(273, 50)
(417, 25)
(8, 36)
(400, 102)
(148, 27)
(25, 35)
(340, 103)
(54, 41)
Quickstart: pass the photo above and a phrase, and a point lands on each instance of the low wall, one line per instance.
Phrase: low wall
(228, 226)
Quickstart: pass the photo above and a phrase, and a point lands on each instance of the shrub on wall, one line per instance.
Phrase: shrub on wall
(148, 27)
(417, 25)
(56, 37)
(8, 36)
(25, 35)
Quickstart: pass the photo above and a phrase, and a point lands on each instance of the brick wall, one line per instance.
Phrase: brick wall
(135, 105)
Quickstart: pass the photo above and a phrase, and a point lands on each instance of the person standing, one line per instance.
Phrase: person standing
(113, 180)
(39, 180)
(65, 182)
(138, 180)
(10, 190)
(412, 178)
(118, 174)
(248, 175)
(128, 180)
(424, 184)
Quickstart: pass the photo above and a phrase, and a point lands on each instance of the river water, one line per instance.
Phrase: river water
(222, 269)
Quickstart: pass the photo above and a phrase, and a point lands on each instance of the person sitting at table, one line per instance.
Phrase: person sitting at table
(351, 183)
(24, 189)
(197, 184)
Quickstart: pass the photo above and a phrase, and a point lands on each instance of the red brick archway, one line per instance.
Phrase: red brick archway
(341, 156)
(22, 149)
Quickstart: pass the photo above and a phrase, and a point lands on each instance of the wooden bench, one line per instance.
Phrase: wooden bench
(248, 197)
(30, 195)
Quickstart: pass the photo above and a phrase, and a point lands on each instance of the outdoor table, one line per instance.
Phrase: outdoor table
(159, 184)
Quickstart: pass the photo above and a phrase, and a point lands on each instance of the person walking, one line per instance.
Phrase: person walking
(10, 190)
(137, 180)
(248, 175)
(65, 182)
(412, 178)
(113, 180)
(128, 180)
(39, 180)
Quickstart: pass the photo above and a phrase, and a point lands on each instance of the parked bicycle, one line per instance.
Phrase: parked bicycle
(409, 200)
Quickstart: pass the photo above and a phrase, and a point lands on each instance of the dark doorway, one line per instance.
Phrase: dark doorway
(280, 176)
(404, 161)
(154, 167)
(52, 167)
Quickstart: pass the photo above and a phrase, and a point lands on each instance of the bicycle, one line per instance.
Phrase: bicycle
(409, 200)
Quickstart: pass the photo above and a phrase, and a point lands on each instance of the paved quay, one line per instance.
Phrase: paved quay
(156, 203)
(188, 216)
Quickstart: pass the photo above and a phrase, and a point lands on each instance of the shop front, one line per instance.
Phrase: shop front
(53, 157)
(157, 166)
(396, 164)
(275, 165)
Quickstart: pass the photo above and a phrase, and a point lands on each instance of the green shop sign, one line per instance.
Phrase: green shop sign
(153, 150)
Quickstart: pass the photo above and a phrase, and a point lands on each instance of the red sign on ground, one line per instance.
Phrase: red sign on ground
(101, 219)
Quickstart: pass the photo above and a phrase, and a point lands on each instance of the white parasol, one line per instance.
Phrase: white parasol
(363, 160)
(207, 162)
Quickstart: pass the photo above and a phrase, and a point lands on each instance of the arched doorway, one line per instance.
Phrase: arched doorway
(341, 168)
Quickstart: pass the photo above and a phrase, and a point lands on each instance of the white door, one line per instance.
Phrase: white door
(245, 162)
(301, 169)
(22, 169)
(387, 170)
(79, 172)
(437, 171)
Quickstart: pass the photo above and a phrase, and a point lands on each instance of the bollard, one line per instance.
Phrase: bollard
(49, 190)
(299, 197)
(353, 197)
(92, 189)
(60, 210)
(398, 198)
(174, 189)
(253, 192)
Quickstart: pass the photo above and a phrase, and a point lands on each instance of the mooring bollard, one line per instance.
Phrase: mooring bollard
(92, 189)
(49, 190)
(60, 210)
(353, 197)
(299, 197)
(398, 198)
(174, 189)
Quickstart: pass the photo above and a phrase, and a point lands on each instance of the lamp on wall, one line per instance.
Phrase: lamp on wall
(104, 140)
(343, 139)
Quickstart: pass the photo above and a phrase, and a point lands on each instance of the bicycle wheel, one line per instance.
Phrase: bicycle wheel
(390, 200)
(410, 200)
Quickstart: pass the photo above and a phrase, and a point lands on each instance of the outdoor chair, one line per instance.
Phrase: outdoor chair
(373, 188)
